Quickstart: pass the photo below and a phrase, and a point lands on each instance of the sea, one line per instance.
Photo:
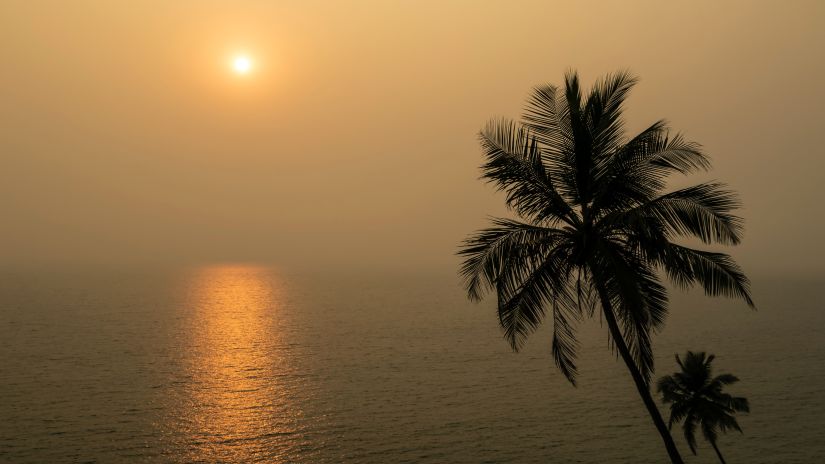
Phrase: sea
(246, 363)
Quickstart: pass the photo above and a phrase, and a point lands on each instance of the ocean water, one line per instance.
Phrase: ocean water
(251, 364)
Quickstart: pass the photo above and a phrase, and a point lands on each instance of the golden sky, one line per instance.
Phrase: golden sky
(125, 137)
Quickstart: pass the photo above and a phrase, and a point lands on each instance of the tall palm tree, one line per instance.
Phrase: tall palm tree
(697, 399)
(596, 227)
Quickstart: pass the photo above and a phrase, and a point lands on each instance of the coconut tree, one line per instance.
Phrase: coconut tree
(696, 399)
(596, 230)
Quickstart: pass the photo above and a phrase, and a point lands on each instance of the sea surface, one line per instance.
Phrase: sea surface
(243, 364)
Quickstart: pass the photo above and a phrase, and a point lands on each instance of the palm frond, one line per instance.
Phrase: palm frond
(739, 404)
(636, 172)
(544, 116)
(727, 422)
(582, 156)
(565, 345)
(670, 389)
(488, 250)
(678, 411)
(547, 117)
(679, 155)
(717, 273)
(732, 403)
(604, 111)
(514, 165)
(709, 431)
(689, 429)
(522, 299)
(703, 211)
(721, 380)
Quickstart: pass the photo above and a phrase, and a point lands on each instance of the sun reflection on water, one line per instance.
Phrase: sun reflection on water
(237, 408)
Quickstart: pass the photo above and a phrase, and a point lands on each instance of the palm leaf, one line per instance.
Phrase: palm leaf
(703, 211)
(488, 250)
(717, 273)
(604, 111)
(522, 299)
(514, 165)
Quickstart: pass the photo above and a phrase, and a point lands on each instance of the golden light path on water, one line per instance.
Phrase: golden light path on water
(238, 407)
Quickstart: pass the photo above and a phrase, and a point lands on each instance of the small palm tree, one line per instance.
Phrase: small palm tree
(697, 399)
(597, 227)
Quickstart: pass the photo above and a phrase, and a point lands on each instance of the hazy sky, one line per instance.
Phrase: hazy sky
(126, 139)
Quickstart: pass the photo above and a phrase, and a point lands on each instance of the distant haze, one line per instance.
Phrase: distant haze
(125, 138)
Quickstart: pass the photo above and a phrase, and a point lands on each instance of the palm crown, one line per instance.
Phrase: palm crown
(596, 225)
(696, 397)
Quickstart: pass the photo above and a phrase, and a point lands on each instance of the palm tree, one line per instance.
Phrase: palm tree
(596, 227)
(697, 399)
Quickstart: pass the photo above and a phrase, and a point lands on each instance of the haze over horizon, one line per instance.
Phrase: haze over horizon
(127, 140)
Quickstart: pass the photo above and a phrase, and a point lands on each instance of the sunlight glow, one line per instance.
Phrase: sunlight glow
(242, 64)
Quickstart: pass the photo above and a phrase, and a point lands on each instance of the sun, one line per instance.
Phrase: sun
(242, 64)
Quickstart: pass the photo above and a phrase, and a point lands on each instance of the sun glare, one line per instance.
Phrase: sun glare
(242, 64)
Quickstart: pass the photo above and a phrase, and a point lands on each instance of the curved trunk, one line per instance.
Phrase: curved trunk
(718, 453)
(641, 385)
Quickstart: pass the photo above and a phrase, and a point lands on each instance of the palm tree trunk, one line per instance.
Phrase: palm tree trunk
(718, 453)
(641, 385)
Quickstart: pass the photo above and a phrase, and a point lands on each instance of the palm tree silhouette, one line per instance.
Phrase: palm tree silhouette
(596, 226)
(697, 399)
